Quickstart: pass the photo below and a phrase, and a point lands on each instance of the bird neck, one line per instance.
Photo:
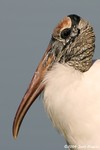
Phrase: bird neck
(82, 50)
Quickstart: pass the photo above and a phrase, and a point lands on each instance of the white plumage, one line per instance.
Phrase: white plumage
(72, 100)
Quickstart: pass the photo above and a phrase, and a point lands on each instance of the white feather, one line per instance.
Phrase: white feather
(72, 100)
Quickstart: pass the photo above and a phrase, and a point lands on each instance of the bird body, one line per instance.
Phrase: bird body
(70, 80)
(72, 100)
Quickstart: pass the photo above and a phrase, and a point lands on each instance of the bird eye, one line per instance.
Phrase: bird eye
(65, 33)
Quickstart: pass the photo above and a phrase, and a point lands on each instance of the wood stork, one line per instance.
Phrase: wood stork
(70, 81)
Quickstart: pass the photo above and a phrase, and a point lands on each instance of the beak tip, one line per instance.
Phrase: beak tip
(15, 135)
(14, 132)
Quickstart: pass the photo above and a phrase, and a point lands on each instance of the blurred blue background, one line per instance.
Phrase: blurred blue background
(25, 31)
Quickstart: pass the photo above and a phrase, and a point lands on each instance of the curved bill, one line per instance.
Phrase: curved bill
(35, 88)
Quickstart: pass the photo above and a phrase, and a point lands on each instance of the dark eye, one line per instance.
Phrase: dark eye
(65, 33)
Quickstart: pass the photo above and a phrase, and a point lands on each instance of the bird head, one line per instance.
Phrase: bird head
(72, 42)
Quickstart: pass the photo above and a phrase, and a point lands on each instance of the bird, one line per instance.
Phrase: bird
(69, 79)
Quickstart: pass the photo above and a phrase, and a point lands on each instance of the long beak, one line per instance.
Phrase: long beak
(35, 88)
